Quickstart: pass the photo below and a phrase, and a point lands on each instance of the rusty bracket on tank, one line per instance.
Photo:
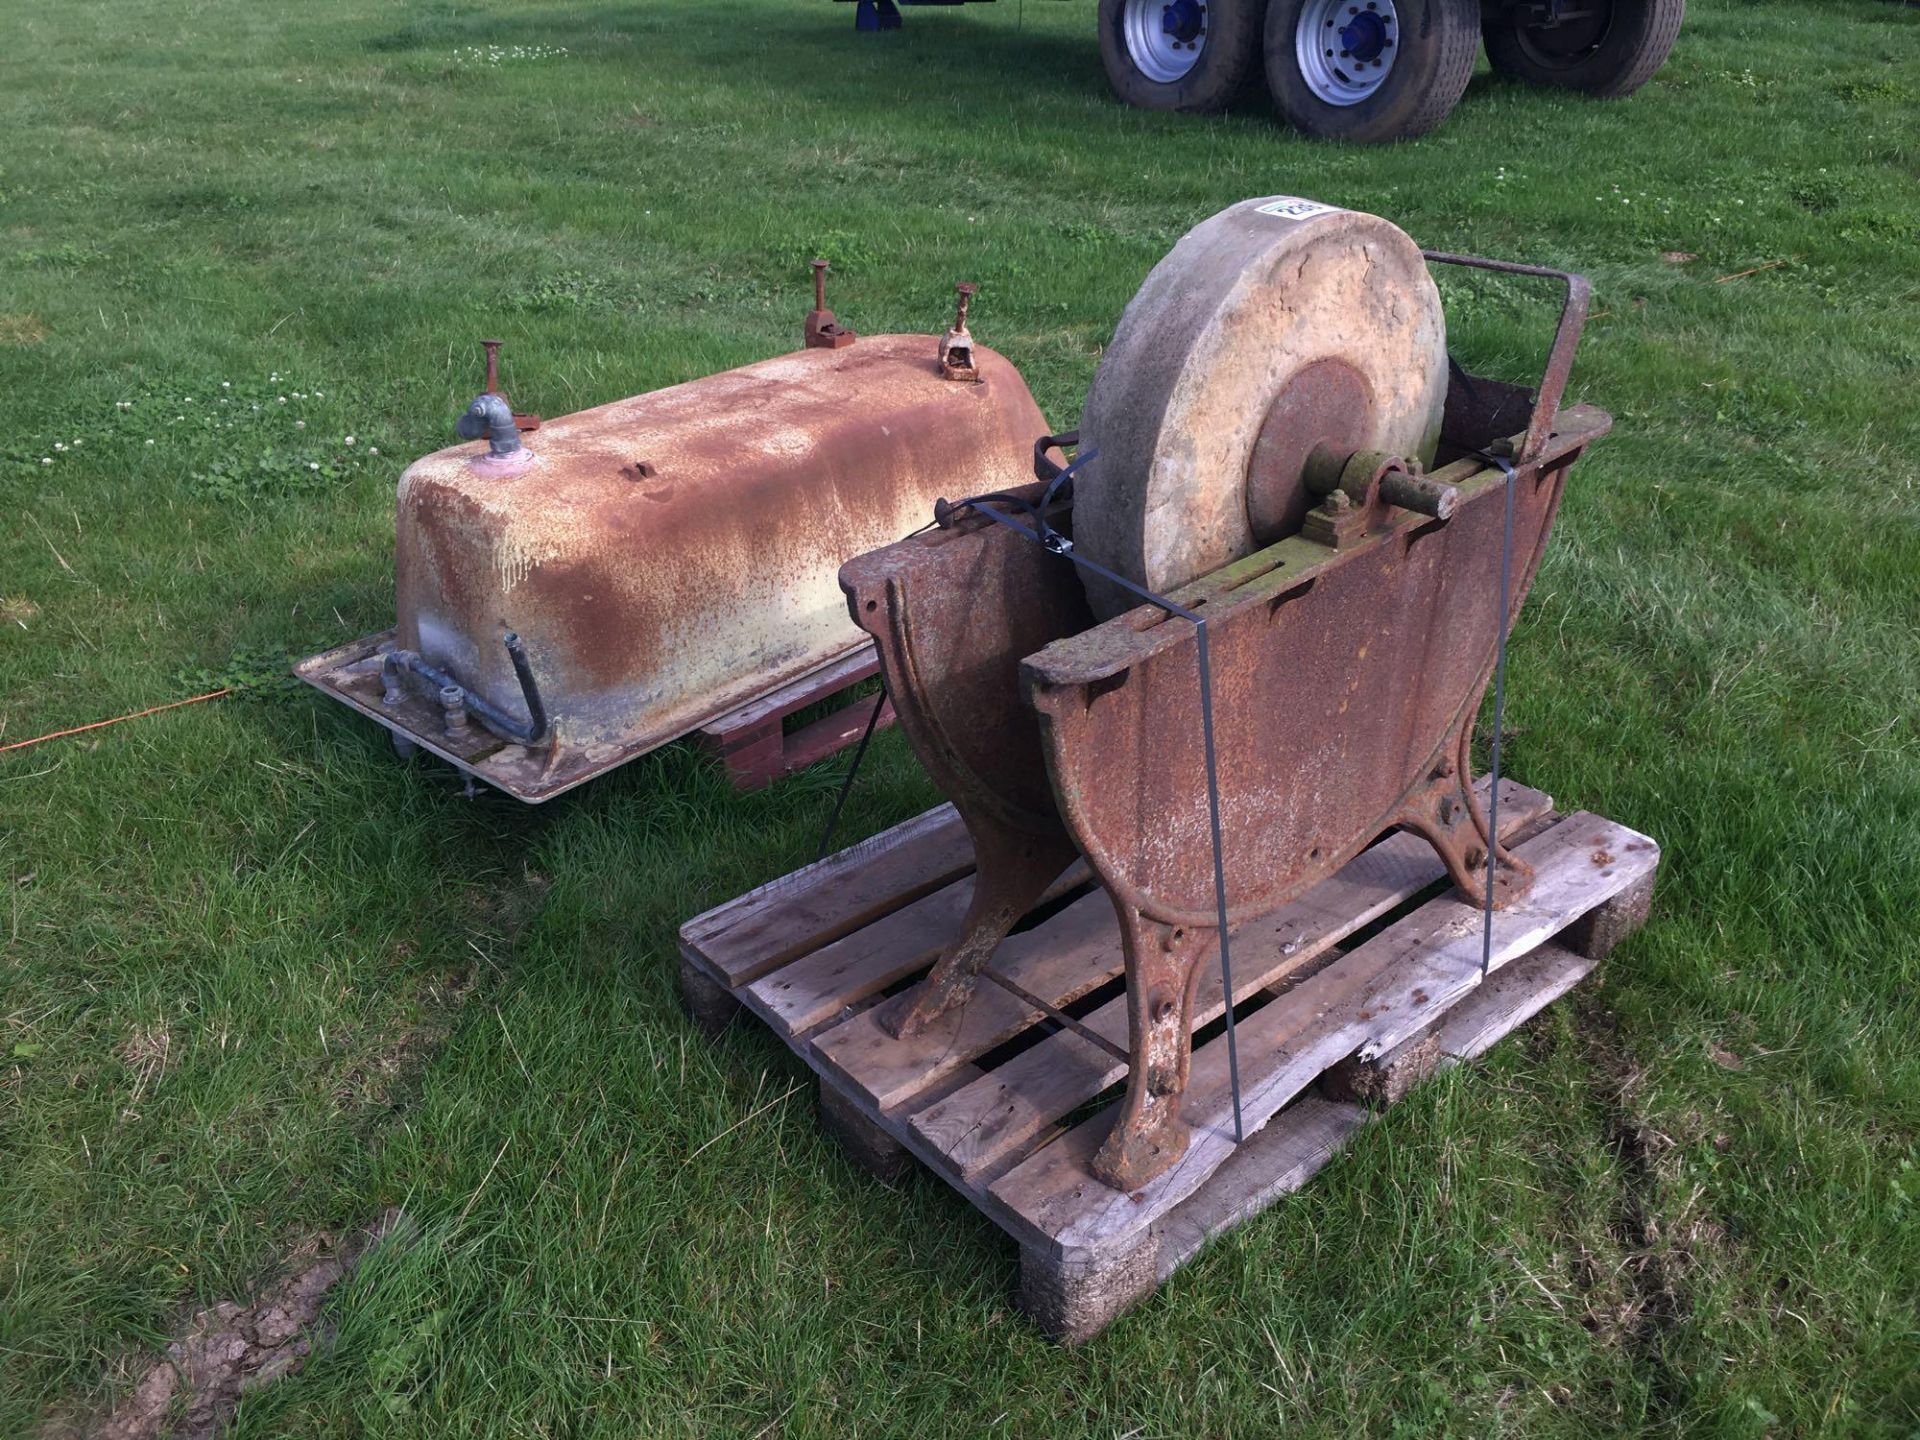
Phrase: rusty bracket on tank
(822, 331)
(956, 346)
(457, 703)
(524, 422)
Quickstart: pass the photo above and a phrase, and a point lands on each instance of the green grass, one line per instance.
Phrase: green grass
(258, 979)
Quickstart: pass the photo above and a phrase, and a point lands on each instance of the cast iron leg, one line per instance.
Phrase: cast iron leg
(1447, 815)
(1012, 871)
(1149, 1133)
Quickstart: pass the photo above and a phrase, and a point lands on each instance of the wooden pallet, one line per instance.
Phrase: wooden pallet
(754, 744)
(995, 1099)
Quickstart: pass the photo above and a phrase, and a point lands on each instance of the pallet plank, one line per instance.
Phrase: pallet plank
(833, 733)
(1074, 1299)
(817, 904)
(850, 669)
(1064, 956)
(983, 1127)
(816, 987)
(1508, 1000)
(1290, 1151)
(1375, 995)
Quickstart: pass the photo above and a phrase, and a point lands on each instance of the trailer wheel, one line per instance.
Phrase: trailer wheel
(1370, 70)
(1607, 48)
(1194, 55)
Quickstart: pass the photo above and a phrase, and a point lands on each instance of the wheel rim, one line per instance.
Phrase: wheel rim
(1346, 48)
(1567, 41)
(1164, 37)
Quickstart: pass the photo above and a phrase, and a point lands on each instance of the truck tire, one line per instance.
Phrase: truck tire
(1370, 70)
(1193, 55)
(1610, 50)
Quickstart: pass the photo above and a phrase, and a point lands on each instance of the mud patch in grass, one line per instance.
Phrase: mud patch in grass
(229, 1349)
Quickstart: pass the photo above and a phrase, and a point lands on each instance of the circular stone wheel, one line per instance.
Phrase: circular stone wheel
(1276, 326)
(1370, 70)
(1194, 55)
(1611, 49)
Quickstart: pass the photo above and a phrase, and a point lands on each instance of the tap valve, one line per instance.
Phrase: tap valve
(489, 417)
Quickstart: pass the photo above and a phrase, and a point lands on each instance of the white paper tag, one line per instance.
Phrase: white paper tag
(1289, 207)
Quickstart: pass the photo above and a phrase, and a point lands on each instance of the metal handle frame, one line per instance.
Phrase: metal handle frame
(1566, 339)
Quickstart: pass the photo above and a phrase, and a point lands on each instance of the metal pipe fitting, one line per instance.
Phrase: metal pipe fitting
(490, 416)
(455, 697)
(453, 710)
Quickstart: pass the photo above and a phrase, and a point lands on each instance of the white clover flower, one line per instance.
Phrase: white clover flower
(149, 442)
(283, 399)
(313, 464)
(299, 424)
(46, 459)
(78, 443)
(349, 440)
(58, 446)
(226, 384)
(373, 449)
(319, 394)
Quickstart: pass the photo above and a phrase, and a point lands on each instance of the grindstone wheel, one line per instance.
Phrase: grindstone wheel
(1277, 326)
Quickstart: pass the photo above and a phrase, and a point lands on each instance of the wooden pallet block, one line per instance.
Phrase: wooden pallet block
(996, 1098)
(753, 743)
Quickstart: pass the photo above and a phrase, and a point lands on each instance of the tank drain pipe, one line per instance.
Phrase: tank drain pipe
(455, 697)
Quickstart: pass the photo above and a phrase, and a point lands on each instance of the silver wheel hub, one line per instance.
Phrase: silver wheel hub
(1346, 48)
(1164, 38)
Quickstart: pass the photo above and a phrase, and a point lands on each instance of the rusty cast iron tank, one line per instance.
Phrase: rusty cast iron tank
(1285, 450)
(624, 575)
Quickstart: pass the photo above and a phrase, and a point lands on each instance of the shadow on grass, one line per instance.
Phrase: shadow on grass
(813, 52)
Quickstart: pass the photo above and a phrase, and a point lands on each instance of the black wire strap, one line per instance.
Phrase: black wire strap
(1054, 1013)
(1052, 540)
(846, 785)
(1499, 709)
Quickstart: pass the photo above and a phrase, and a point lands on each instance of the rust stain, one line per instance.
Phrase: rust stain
(712, 561)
